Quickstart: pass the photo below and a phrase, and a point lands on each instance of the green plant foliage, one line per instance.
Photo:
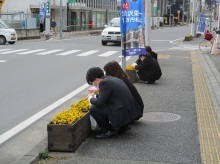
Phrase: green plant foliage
(43, 155)
(188, 35)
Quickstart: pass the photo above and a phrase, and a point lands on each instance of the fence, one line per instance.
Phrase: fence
(72, 30)
(20, 20)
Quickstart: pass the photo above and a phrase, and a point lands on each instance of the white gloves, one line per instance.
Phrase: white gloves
(134, 64)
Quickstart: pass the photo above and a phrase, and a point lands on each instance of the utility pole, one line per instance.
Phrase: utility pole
(47, 28)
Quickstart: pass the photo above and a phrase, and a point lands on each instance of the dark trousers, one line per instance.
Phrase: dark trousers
(101, 117)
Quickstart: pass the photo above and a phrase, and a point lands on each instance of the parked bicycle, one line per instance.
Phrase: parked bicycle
(205, 46)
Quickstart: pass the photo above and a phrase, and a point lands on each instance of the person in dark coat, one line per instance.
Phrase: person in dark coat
(148, 68)
(152, 53)
(112, 68)
(114, 107)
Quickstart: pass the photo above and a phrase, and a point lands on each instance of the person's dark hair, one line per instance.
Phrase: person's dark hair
(141, 56)
(93, 73)
(148, 49)
(112, 68)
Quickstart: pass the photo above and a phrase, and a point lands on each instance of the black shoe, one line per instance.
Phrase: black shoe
(124, 129)
(108, 134)
(149, 82)
(100, 131)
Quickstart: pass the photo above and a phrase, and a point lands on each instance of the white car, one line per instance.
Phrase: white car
(112, 32)
(7, 34)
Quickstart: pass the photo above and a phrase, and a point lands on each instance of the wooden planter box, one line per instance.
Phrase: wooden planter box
(132, 76)
(68, 137)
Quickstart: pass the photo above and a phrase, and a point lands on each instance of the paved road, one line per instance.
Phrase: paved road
(153, 141)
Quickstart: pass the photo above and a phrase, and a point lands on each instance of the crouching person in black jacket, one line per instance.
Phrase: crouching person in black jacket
(115, 108)
(148, 69)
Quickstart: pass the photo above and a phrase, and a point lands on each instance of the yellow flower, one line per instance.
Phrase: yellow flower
(129, 68)
(72, 114)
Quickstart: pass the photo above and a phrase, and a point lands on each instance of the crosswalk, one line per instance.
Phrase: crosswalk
(58, 52)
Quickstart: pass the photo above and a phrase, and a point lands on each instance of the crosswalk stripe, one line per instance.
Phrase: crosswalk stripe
(108, 53)
(88, 53)
(49, 52)
(29, 52)
(13, 51)
(4, 50)
(68, 52)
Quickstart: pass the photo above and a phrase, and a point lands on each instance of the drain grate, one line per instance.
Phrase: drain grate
(160, 116)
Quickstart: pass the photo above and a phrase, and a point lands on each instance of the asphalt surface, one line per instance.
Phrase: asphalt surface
(168, 131)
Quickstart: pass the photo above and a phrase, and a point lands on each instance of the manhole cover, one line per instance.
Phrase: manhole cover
(160, 116)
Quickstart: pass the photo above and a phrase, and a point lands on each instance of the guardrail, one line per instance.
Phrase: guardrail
(72, 30)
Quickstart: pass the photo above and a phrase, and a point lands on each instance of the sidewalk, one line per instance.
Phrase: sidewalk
(180, 123)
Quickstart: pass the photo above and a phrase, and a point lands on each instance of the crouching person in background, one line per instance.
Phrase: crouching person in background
(148, 69)
(115, 108)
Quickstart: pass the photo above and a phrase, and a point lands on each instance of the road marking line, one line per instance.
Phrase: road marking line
(29, 52)
(3, 61)
(175, 40)
(161, 40)
(5, 50)
(68, 52)
(13, 51)
(88, 53)
(49, 52)
(10, 133)
(106, 54)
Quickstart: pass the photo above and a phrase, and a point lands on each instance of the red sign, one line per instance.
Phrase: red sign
(125, 5)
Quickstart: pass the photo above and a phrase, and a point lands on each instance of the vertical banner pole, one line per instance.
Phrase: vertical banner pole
(132, 29)
(147, 22)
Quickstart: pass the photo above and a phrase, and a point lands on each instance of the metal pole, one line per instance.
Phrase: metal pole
(47, 22)
(183, 13)
(210, 29)
(147, 22)
(217, 36)
(192, 21)
(61, 19)
(170, 15)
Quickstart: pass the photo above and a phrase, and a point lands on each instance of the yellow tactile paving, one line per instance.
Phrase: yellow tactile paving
(209, 128)
(163, 56)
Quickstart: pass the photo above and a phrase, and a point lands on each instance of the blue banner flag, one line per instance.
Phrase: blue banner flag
(42, 11)
(201, 25)
(132, 27)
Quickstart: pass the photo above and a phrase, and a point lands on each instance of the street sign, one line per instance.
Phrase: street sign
(213, 2)
(201, 24)
(70, 1)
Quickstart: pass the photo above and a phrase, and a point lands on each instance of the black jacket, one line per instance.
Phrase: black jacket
(115, 95)
(149, 69)
(134, 93)
(153, 54)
